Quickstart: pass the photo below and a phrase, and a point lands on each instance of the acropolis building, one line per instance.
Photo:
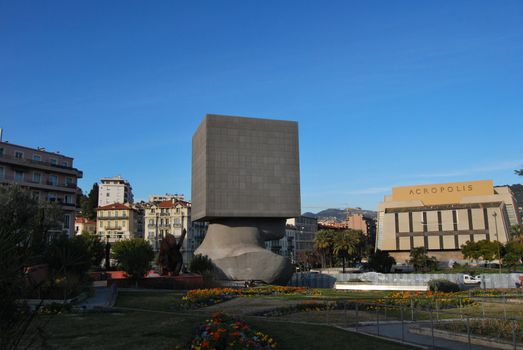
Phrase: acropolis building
(443, 217)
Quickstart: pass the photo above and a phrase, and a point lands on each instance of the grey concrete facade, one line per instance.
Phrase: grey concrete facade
(245, 167)
(245, 182)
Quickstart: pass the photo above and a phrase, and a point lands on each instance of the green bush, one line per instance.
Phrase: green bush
(444, 286)
(134, 256)
(201, 264)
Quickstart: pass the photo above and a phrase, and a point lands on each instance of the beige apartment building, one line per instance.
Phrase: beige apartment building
(443, 217)
(118, 221)
(50, 176)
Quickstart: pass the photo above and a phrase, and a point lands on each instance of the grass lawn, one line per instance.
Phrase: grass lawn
(150, 300)
(128, 330)
(155, 327)
(153, 330)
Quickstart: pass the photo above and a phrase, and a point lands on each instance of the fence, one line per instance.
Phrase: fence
(321, 280)
(438, 322)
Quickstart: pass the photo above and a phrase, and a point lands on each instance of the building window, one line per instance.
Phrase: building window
(37, 157)
(53, 180)
(19, 155)
(68, 181)
(63, 163)
(1, 151)
(36, 195)
(37, 177)
(52, 161)
(67, 221)
(67, 199)
(19, 176)
(1, 172)
(52, 197)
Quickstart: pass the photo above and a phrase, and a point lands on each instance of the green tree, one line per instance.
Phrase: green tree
(381, 261)
(345, 244)
(89, 203)
(24, 228)
(69, 260)
(516, 233)
(489, 250)
(421, 261)
(513, 253)
(470, 250)
(484, 249)
(95, 247)
(324, 244)
(134, 256)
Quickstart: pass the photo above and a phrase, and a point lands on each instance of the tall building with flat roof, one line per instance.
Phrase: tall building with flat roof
(50, 176)
(443, 217)
(114, 190)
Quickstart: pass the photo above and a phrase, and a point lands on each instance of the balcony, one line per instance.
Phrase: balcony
(37, 164)
(112, 217)
(39, 185)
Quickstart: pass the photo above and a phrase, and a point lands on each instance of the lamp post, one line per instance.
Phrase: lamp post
(495, 215)
(156, 231)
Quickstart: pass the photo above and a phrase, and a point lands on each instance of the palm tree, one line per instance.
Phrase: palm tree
(324, 242)
(345, 244)
(516, 233)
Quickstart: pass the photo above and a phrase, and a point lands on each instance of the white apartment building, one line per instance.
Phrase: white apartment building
(166, 197)
(114, 190)
(170, 217)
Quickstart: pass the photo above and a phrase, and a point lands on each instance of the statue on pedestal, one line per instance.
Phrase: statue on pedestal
(170, 258)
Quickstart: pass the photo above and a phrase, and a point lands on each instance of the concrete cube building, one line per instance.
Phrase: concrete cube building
(245, 167)
(245, 183)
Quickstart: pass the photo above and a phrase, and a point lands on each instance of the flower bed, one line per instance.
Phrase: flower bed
(305, 306)
(207, 297)
(426, 299)
(223, 332)
(492, 292)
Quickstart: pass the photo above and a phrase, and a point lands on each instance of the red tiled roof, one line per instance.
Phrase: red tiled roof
(82, 220)
(172, 204)
(114, 206)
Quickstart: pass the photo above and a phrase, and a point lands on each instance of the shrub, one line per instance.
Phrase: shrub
(381, 261)
(201, 264)
(444, 286)
(134, 256)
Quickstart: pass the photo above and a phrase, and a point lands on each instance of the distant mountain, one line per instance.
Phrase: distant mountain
(340, 214)
(517, 189)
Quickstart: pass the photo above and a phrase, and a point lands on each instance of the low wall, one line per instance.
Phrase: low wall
(322, 280)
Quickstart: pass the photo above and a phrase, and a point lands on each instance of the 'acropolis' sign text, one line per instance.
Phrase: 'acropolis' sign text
(448, 193)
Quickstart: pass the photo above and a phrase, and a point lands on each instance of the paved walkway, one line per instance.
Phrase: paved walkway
(102, 298)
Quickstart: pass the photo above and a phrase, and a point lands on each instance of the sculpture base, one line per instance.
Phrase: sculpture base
(237, 249)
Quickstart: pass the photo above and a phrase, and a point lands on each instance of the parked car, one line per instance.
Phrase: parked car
(468, 279)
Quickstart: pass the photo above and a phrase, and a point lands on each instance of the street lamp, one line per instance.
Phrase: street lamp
(495, 215)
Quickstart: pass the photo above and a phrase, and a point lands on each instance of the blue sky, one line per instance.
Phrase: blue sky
(385, 92)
